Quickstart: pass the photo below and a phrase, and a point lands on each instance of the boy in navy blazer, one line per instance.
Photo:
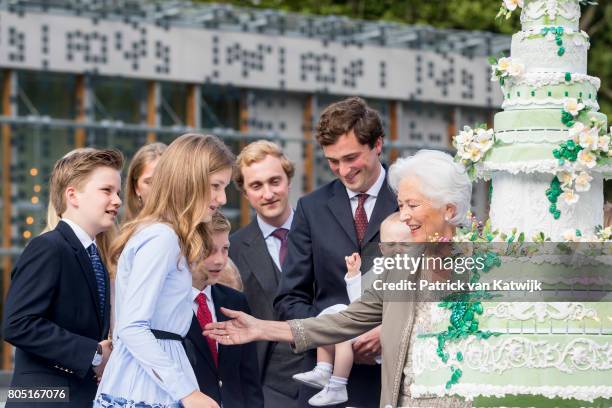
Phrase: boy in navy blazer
(57, 312)
(228, 374)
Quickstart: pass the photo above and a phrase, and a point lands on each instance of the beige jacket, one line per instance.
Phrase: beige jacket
(374, 308)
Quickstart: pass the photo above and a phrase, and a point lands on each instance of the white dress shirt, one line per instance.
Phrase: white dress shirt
(80, 233)
(372, 193)
(209, 302)
(273, 243)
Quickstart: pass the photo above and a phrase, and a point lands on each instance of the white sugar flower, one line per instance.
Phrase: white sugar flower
(604, 143)
(589, 138)
(516, 69)
(572, 106)
(570, 235)
(550, 36)
(474, 153)
(465, 136)
(484, 139)
(566, 178)
(512, 4)
(583, 181)
(503, 64)
(570, 197)
(587, 159)
(575, 130)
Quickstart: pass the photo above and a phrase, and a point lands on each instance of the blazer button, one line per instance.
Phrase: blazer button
(220, 384)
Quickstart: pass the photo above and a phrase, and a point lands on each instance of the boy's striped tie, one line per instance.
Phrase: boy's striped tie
(98, 268)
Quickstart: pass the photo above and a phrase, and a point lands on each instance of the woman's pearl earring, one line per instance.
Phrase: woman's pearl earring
(446, 218)
(140, 200)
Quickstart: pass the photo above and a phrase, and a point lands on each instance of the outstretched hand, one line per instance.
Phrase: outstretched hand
(241, 329)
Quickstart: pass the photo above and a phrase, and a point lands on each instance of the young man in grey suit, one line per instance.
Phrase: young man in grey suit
(264, 175)
(334, 221)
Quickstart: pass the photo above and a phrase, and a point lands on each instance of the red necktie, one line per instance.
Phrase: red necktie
(361, 218)
(281, 233)
(204, 317)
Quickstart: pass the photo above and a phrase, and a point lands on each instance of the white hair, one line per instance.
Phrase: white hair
(442, 180)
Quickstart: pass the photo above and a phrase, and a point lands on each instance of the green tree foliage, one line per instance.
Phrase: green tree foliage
(464, 15)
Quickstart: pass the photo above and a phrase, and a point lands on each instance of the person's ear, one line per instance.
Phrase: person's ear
(378, 146)
(71, 196)
(449, 212)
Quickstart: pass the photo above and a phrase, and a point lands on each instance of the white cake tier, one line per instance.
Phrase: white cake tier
(540, 53)
(561, 13)
(519, 201)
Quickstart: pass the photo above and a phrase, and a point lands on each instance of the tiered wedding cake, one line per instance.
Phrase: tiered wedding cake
(547, 163)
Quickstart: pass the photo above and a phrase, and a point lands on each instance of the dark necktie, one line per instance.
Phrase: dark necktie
(361, 218)
(281, 233)
(100, 273)
(204, 317)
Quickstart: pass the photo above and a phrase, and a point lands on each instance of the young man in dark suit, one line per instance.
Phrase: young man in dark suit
(264, 176)
(334, 221)
(228, 374)
(57, 311)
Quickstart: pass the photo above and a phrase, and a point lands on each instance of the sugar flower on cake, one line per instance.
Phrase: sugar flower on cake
(506, 67)
(575, 131)
(569, 196)
(503, 64)
(565, 178)
(583, 181)
(484, 139)
(571, 235)
(472, 145)
(573, 106)
(516, 69)
(587, 159)
(589, 138)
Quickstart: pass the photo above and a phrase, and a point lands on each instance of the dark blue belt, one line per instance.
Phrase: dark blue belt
(187, 343)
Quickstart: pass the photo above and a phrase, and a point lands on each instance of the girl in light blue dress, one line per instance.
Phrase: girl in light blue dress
(154, 254)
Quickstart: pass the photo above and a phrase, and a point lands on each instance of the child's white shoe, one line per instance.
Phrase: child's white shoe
(315, 378)
(329, 396)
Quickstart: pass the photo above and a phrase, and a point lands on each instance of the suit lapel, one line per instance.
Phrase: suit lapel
(200, 342)
(262, 266)
(386, 203)
(86, 268)
(340, 206)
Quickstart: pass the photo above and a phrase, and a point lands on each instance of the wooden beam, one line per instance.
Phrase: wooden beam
(452, 127)
(8, 84)
(153, 98)
(193, 106)
(80, 134)
(308, 146)
(245, 208)
(393, 130)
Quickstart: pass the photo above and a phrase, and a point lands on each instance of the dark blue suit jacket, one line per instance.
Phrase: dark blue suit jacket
(52, 316)
(322, 234)
(235, 383)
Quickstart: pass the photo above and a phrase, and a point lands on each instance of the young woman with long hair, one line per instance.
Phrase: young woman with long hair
(154, 255)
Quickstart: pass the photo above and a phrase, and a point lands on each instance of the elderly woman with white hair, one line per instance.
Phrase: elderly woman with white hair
(433, 194)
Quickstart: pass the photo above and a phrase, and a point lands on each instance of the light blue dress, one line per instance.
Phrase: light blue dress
(153, 291)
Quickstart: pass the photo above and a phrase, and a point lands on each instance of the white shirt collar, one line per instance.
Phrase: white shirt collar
(80, 233)
(267, 229)
(207, 291)
(375, 189)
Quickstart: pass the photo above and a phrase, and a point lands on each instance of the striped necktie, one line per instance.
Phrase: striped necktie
(100, 273)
